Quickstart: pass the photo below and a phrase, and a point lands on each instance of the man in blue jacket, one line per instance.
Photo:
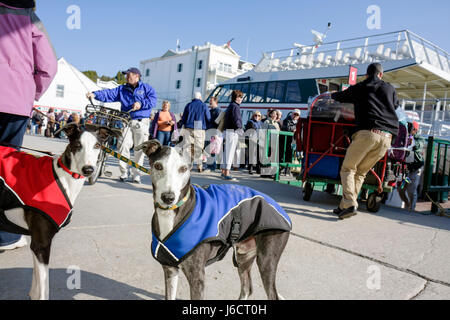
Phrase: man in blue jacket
(138, 98)
(196, 117)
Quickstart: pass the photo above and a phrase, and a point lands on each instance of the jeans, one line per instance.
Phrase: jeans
(163, 137)
(409, 193)
(12, 130)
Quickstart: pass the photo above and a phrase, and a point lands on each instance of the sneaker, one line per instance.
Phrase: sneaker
(338, 211)
(229, 178)
(347, 213)
(22, 242)
(123, 178)
(137, 179)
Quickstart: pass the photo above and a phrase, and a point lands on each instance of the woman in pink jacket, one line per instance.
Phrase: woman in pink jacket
(27, 67)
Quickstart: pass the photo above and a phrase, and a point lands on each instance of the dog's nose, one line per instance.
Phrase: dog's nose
(168, 197)
(88, 170)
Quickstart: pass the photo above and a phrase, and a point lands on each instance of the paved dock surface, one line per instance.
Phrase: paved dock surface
(389, 255)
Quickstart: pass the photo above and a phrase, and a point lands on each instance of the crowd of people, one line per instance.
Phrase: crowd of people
(229, 145)
(48, 124)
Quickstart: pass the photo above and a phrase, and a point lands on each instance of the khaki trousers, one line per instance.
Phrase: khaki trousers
(135, 135)
(366, 149)
(196, 139)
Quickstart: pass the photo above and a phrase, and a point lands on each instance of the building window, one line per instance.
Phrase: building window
(225, 67)
(60, 91)
(178, 84)
(180, 67)
(147, 73)
(198, 82)
(200, 65)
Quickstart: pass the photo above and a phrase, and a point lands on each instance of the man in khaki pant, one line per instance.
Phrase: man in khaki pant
(196, 117)
(377, 125)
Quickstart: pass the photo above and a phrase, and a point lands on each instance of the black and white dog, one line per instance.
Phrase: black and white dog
(194, 226)
(37, 194)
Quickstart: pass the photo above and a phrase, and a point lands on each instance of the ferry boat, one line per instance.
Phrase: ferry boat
(288, 79)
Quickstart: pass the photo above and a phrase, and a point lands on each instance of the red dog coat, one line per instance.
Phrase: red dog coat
(31, 183)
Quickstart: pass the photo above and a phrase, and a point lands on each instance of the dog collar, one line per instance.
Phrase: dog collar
(176, 206)
(73, 174)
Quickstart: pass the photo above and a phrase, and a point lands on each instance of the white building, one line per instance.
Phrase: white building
(68, 90)
(178, 74)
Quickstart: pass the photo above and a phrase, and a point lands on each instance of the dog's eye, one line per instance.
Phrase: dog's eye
(158, 166)
(183, 169)
(97, 146)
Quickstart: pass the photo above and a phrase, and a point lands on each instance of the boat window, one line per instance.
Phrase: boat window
(215, 93)
(334, 87)
(257, 92)
(275, 92)
(244, 90)
(322, 88)
(242, 87)
(225, 94)
(293, 94)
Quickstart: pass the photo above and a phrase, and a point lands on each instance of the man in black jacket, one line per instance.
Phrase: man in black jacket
(377, 125)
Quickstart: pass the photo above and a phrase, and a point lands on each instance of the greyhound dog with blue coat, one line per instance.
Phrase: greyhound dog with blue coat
(195, 226)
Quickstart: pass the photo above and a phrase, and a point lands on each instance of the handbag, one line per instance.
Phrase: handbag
(221, 121)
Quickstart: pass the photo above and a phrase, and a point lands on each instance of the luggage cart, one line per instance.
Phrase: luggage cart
(116, 120)
(324, 137)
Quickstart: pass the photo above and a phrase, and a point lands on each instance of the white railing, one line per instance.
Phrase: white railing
(432, 115)
(398, 45)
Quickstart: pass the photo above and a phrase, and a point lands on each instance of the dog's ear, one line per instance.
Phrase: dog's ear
(72, 131)
(103, 133)
(149, 147)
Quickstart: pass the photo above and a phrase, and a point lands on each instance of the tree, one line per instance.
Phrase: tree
(120, 78)
(91, 75)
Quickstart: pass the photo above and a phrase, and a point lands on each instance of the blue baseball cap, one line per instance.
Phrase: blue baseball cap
(133, 70)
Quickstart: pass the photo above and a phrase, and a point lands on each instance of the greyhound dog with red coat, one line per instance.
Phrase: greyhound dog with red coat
(37, 194)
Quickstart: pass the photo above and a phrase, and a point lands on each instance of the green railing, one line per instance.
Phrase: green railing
(279, 157)
(435, 181)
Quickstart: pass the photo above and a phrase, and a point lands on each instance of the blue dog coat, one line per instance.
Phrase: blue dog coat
(212, 220)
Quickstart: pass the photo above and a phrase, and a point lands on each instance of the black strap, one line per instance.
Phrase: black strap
(5, 144)
(235, 227)
(8, 226)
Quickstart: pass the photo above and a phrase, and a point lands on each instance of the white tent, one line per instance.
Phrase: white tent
(68, 91)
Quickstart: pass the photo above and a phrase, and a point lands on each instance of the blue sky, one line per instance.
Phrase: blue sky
(114, 34)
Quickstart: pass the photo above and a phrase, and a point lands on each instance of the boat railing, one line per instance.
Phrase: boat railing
(433, 115)
(401, 45)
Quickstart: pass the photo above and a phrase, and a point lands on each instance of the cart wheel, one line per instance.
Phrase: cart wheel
(307, 191)
(331, 188)
(100, 164)
(373, 205)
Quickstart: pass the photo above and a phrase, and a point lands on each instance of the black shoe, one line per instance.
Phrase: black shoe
(338, 211)
(347, 213)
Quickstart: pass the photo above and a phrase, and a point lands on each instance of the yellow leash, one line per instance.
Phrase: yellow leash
(124, 159)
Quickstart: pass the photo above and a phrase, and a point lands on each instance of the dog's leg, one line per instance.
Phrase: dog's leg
(171, 281)
(245, 256)
(33, 293)
(194, 269)
(41, 288)
(42, 233)
(270, 246)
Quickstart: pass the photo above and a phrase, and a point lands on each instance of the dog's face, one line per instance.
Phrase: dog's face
(170, 172)
(85, 147)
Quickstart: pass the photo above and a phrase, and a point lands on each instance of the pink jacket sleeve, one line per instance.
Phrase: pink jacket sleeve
(45, 62)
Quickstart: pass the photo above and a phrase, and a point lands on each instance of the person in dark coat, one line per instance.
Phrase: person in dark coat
(289, 125)
(232, 129)
(376, 124)
(196, 117)
(253, 155)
